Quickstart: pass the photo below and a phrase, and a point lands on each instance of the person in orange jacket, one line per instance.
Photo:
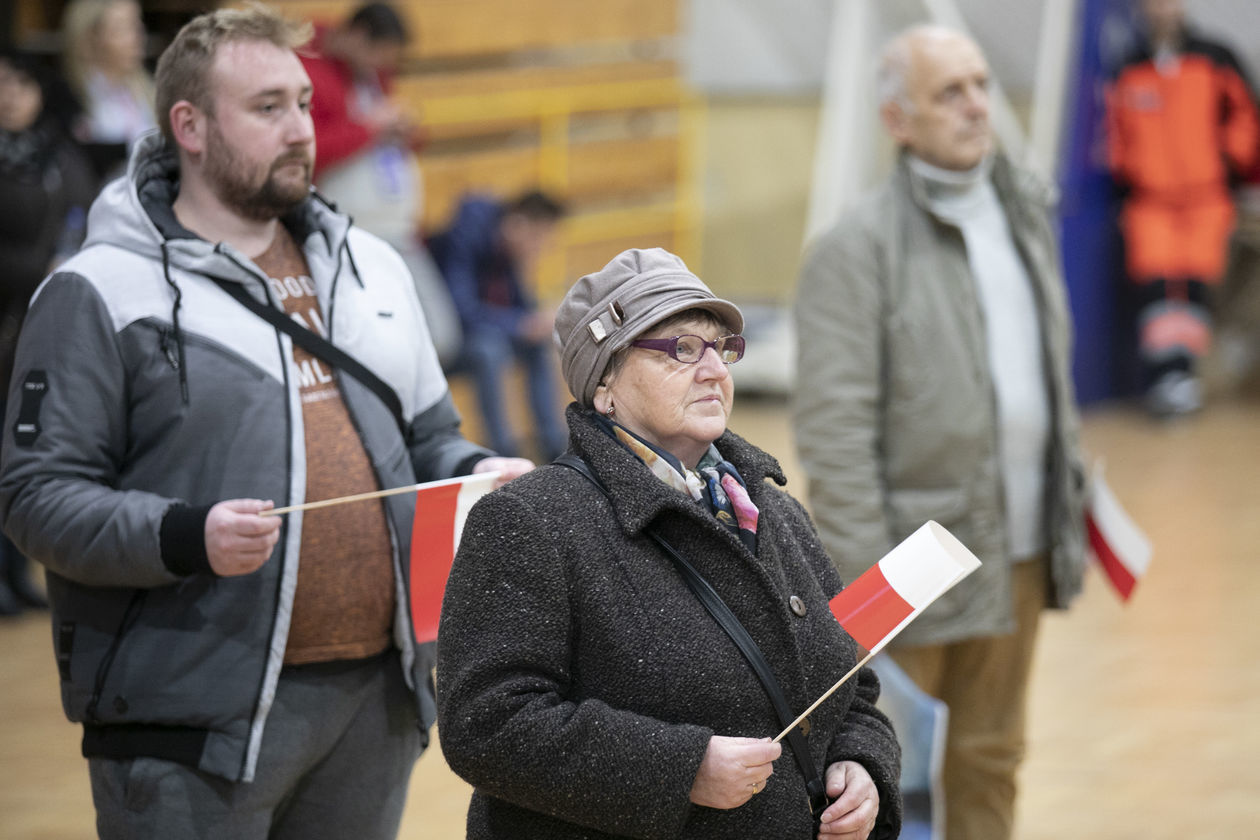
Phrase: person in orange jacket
(1183, 127)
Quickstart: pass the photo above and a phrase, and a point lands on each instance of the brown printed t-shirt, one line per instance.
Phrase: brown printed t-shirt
(344, 606)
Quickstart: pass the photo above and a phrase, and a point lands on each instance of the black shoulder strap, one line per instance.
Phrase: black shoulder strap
(739, 635)
(321, 347)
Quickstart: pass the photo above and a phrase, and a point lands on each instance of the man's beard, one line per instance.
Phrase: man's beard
(230, 178)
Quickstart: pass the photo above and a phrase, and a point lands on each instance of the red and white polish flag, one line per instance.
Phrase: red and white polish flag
(441, 508)
(889, 595)
(1120, 548)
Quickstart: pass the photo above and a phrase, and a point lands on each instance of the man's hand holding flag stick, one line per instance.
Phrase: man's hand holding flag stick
(379, 494)
(441, 508)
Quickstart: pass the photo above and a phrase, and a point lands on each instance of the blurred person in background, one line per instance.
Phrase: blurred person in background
(1183, 129)
(487, 256)
(46, 186)
(933, 322)
(367, 144)
(352, 66)
(103, 55)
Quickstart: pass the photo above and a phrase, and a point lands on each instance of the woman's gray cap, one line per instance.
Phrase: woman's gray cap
(605, 311)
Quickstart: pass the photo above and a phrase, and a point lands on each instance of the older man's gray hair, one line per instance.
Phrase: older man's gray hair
(896, 57)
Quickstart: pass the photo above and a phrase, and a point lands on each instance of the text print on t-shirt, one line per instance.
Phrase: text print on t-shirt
(297, 295)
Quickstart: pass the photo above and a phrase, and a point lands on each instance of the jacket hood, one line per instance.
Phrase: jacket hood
(135, 212)
(117, 216)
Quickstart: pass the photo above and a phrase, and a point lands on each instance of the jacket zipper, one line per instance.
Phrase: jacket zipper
(130, 615)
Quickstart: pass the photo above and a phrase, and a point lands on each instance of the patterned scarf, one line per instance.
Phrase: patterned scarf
(714, 481)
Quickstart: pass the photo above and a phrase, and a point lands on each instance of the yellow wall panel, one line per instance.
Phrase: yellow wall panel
(451, 28)
(500, 172)
(472, 27)
(622, 168)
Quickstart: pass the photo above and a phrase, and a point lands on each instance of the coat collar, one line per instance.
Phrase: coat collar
(1015, 186)
(640, 497)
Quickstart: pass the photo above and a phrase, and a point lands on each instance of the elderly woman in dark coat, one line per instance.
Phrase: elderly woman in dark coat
(583, 689)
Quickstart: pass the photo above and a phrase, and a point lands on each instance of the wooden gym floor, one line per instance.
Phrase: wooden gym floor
(1145, 718)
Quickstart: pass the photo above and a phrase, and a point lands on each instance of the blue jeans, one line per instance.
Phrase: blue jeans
(487, 353)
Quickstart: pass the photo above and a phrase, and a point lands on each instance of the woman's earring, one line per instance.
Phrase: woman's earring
(612, 409)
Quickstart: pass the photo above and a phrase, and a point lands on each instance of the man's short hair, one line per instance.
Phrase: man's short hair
(895, 58)
(183, 71)
(894, 67)
(380, 23)
(537, 206)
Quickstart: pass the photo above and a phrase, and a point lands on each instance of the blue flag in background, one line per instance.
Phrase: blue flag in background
(1093, 264)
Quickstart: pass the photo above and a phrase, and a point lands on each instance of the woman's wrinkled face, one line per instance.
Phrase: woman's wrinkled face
(679, 407)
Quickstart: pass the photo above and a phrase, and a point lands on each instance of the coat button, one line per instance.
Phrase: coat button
(797, 605)
(805, 727)
(120, 704)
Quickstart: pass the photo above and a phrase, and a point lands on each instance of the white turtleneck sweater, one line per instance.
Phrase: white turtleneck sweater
(1013, 337)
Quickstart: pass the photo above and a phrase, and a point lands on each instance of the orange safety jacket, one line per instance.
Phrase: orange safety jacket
(1186, 132)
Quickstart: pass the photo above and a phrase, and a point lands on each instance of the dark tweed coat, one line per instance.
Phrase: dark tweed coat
(579, 680)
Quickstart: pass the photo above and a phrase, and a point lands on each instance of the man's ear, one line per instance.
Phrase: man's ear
(188, 127)
(896, 121)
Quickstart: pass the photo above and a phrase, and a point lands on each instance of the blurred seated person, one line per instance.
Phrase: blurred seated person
(46, 186)
(104, 65)
(486, 255)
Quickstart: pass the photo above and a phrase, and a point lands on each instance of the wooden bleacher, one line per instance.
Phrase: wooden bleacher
(583, 100)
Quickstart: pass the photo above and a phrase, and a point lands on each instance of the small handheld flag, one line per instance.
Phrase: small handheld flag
(441, 508)
(890, 594)
(1120, 548)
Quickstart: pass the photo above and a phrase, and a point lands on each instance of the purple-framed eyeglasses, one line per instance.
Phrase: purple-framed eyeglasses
(689, 349)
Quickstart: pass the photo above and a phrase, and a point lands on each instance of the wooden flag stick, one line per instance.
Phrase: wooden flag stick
(827, 694)
(375, 494)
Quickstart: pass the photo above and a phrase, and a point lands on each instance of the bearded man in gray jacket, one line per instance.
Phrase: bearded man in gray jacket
(237, 675)
(933, 322)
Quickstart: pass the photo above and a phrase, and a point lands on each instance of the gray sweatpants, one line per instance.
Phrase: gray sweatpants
(337, 754)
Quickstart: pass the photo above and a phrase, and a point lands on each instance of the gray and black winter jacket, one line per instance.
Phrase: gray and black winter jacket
(143, 394)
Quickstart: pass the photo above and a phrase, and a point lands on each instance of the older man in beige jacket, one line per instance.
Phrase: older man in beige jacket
(933, 325)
